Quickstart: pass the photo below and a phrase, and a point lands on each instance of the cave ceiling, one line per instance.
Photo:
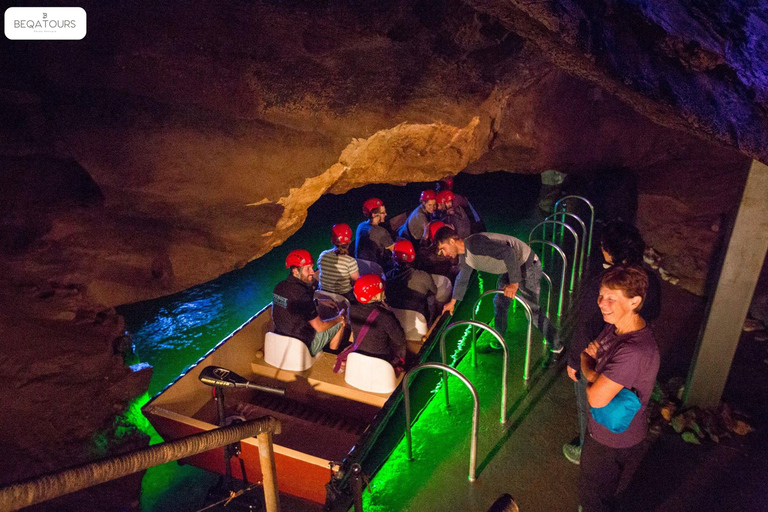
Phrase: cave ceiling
(174, 144)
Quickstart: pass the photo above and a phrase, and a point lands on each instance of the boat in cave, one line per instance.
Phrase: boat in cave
(327, 424)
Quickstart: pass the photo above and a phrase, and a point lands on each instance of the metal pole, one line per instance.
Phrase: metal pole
(47, 487)
(500, 339)
(475, 413)
(583, 235)
(443, 358)
(562, 273)
(591, 217)
(528, 315)
(268, 472)
(549, 290)
(575, 247)
(357, 486)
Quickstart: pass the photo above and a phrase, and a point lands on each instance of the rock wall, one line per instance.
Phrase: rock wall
(173, 145)
(195, 153)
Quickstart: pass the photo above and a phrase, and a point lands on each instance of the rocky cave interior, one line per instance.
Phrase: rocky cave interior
(172, 145)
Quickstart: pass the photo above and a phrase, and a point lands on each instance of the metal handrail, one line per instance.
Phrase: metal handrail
(583, 237)
(562, 272)
(575, 248)
(528, 315)
(591, 218)
(475, 414)
(47, 487)
(504, 371)
(549, 291)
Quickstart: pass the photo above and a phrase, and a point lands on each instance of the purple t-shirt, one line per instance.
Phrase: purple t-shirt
(631, 360)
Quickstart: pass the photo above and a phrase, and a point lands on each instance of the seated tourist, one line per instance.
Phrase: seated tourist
(375, 328)
(476, 223)
(414, 228)
(373, 241)
(338, 270)
(430, 260)
(294, 311)
(409, 288)
(453, 214)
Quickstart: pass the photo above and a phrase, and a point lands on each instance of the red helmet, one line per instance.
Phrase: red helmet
(341, 234)
(298, 258)
(444, 196)
(370, 205)
(427, 195)
(433, 227)
(403, 251)
(367, 287)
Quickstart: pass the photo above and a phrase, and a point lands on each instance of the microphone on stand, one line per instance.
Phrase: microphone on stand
(217, 376)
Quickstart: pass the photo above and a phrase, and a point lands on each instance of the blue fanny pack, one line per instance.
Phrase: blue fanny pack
(618, 414)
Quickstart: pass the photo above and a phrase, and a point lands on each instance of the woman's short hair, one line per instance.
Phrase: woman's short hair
(623, 242)
(630, 279)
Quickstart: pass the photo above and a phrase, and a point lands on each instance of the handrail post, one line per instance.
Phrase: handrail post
(500, 339)
(475, 413)
(549, 290)
(529, 316)
(562, 273)
(583, 235)
(268, 472)
(575, 247)
(357, 486)
(591, 217)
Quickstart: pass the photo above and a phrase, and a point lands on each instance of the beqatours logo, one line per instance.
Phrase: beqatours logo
(45, 23)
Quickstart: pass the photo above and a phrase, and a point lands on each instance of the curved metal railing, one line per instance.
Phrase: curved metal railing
(529, 317)
(563, 201)
(583, 235)
(575, 247)
(504, 371)
(475, 413)
(549, 291)
(562, 272)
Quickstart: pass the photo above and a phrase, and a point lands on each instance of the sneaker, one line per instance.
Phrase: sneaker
(572, 452)
(552, 358)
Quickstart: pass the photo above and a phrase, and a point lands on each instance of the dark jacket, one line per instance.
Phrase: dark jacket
(409, 288)
(385, 337)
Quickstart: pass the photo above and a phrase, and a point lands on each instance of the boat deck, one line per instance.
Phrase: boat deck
(322, 379)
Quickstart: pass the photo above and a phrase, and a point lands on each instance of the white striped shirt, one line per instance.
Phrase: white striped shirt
(335, 271)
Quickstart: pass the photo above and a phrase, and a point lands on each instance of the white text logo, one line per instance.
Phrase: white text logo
(63, 23)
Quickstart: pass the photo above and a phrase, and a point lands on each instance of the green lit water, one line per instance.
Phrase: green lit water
(173, 332)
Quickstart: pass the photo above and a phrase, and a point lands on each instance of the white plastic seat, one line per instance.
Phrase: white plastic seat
(444, 288)
(339, 299)
(413, 323)
(369, 267)
(287, 353)
(370, 373)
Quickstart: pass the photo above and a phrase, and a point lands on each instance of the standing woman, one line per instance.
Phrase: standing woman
(623, 357)
(621, 244)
